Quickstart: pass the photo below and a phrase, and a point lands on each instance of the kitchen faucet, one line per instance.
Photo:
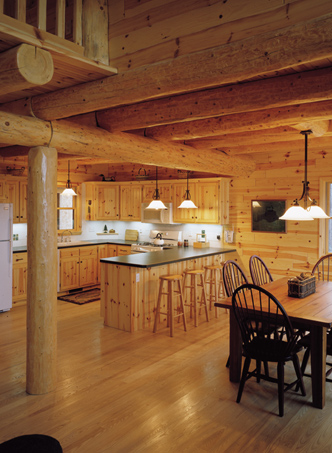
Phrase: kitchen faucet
(64, 233)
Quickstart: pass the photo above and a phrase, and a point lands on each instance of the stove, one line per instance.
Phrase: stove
(170, 240)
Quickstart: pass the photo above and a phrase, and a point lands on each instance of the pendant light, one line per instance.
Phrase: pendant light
(296, 212)
(187, 202)
(69, 191)
(156, 202)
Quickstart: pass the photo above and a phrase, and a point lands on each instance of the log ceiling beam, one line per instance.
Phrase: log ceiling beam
(242, 122)
(24, 67)
(227, 64)
(67, 136)
(277, 92)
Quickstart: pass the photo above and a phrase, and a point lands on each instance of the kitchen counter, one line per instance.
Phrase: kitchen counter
(129, 284)
(82, 244)
(173, 255)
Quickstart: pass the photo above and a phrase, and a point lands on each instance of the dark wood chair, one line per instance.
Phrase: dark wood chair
(322, 271)
(233, 277)
(256, 325)
(259, 271)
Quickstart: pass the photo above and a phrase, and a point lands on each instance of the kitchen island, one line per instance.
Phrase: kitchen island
(129, 284)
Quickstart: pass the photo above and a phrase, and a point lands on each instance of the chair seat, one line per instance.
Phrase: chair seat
(270, 350)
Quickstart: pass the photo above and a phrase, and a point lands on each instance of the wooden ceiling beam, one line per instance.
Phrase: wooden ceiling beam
(227, 64)
(242, 122)
(68, 136)
(24, 67)
(277, 92)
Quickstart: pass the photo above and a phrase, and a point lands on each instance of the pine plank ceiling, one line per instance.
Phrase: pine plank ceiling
(249, 96)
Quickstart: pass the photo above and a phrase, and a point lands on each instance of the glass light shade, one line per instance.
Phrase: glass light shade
(296, 213)
(69, 192)
(187, 204)
(156, 204)
(316, 212)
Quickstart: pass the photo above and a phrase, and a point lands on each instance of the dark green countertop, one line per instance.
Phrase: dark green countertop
(152, 259)
(62, 245)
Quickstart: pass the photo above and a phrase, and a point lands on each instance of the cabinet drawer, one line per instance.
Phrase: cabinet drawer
(20, 258)
(88, 251)
(124, 250)
(70, 251)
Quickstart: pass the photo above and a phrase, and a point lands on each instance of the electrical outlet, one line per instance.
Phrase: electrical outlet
(137, 278)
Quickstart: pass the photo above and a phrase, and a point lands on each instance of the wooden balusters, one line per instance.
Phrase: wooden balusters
(41, 14)
(77, 22)
(21, 10)
(60, 18)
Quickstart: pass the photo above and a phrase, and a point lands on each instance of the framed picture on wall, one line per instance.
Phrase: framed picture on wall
(265, 216)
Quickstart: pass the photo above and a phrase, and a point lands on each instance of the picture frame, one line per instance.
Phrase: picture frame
(265, 216)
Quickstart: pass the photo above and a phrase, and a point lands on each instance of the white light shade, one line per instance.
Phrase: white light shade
(317, 213)
(187, 204)
(296, 213)
(156, 204)
(69, 192)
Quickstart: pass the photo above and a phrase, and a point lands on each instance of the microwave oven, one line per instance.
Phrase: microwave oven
(157, 215)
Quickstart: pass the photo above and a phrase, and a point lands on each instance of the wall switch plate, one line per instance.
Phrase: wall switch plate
(137, 278)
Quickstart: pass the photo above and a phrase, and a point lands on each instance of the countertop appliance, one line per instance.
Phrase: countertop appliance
(170, 238)
(157, 215)
(6, 255)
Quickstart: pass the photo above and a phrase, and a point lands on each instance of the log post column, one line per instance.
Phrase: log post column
(42, 270)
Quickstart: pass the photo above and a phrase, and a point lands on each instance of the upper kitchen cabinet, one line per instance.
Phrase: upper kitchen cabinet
(130, 201)
(102, 201)
(209, 195)
(15, 191)
(165, 191)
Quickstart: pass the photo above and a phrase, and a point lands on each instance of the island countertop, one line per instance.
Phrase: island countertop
(173, 255)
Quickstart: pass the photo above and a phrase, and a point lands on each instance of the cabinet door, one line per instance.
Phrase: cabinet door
(20, 263)
(112, 250)
(88, 266)
(182, 215)
(23, 201)
(107, 202)
(130, 202)
(3, 194)
(13, 192)
(102, 253)
(207, 200)
(69, 268)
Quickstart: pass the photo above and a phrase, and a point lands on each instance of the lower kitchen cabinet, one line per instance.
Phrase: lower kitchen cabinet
(123, 250)
(78, 267)
(20, 265)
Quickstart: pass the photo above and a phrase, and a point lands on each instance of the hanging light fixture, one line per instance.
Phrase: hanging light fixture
(69, 191)
(187, 202)
(313, 211)
(156, 202)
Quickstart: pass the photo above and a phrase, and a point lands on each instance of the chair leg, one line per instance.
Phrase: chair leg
(158, 307)
(305, 360)
(243, 378)
(281, 388)
(258, 371)
(299, 375)
(182, 306)
(203, 297)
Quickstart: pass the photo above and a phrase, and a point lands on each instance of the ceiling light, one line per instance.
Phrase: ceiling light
(187, 202)
(156, 202)
(296, 212)
(69, 191)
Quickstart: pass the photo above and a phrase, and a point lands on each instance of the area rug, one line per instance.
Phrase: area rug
(82, 297)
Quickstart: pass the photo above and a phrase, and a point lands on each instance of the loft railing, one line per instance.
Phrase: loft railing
(62, 18)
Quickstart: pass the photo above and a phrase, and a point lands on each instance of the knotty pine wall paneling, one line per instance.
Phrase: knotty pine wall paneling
(279, 176)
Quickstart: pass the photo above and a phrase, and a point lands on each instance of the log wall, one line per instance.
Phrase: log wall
(279, 176)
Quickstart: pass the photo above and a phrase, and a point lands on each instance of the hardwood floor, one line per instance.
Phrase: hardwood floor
(143, 392)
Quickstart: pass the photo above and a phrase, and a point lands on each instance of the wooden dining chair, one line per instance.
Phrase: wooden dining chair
(233, 276)
(322, 270)
(258, 313)
(259, 271)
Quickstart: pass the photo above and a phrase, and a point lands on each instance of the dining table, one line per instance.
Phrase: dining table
(312, 313)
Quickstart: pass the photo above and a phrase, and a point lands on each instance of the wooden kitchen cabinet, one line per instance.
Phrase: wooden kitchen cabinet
(17, 191)
(78, 267)
(20, 267)
(102, 201)
(112, 250)
(207, 196)
(123, 250)
(102, 251)
(3, 196)
(130, 202)
(165, 191)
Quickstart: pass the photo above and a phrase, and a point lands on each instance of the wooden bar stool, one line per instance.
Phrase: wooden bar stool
(193, 286)
(170, 293)
(215, 286)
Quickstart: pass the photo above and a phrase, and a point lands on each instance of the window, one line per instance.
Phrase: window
(68, 211)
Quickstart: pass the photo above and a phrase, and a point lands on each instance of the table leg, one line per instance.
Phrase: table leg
(318, 365)
(235, 349)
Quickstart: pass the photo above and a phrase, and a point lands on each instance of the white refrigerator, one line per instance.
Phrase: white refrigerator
(6, 255)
